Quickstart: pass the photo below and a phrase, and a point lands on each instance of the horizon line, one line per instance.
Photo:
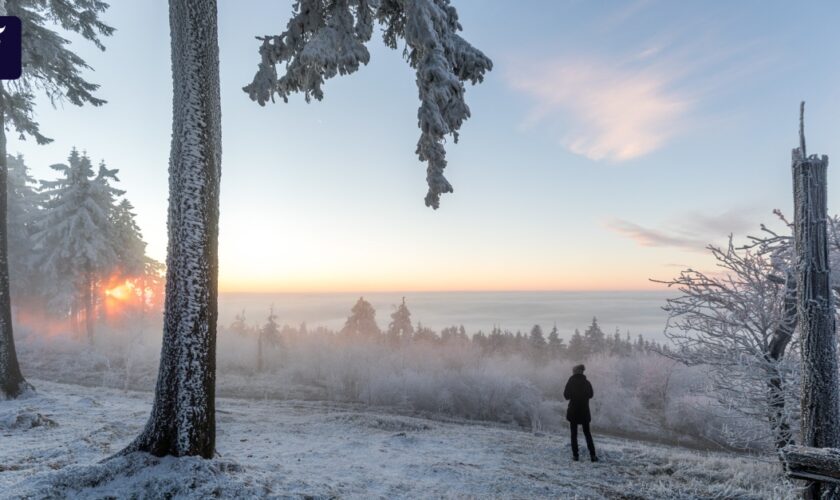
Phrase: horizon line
(349, 292)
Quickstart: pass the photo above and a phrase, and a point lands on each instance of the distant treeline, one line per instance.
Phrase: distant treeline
(361, 325)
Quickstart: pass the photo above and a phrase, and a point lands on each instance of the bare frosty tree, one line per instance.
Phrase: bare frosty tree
(327, 38)
(183, 420)
(51, 68)
(737, 323)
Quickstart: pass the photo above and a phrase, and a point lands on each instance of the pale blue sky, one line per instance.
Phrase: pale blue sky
(610, 141)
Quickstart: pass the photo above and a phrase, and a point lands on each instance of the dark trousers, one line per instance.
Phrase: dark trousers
(589, 444)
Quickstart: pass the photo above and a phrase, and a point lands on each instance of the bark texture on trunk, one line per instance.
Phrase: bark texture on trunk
(183, 415)
(12, 383)
(813, 464)
(820, 402)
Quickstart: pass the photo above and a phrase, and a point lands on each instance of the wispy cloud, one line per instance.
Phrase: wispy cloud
(617, 114)
(627, 96)
(692, 231)
(651, 237)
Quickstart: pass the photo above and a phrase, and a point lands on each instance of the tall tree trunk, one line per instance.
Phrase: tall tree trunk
(183, 415)
(775, 352)
(12, 383)
(820, 401)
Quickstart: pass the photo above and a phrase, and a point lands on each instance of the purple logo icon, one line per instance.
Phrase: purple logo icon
(10, 51)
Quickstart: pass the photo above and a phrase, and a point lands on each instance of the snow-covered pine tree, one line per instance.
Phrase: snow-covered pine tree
(21, 213)
(239, 326)
(594, 338)
(577, 347)
(425, 334)
(74, 234)
(269, 336)
(362, 321)
(479, 339)
(183, 418)
(537, 344)
(495, 340)
(49, 67)
(327, 38)
(556, 345)
(400, 329)
(614, 343)
(127, 240)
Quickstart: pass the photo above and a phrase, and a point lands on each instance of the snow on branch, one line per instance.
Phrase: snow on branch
(326, 38)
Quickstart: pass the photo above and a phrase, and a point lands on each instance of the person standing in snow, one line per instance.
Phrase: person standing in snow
(578, 392)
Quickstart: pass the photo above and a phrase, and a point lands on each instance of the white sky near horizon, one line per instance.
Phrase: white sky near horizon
(610, 143)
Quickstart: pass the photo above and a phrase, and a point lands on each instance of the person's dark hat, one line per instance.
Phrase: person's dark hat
(578, 369)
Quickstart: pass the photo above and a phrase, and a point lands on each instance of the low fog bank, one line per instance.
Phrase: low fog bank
(514, 379)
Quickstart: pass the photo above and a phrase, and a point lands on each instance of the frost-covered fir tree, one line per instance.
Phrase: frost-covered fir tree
(454, 335)
(240, 324)
(22, 211)
(326, 38)
(425, 334)
(183, 418)
(577, 347)
(537, 344)
(362, 321)
(127, 240)
(131, 259)
(400, 329)
(50, 68)
(594, 338)
(495, 340)
(269, 337)
(74, 235)
(556, 345)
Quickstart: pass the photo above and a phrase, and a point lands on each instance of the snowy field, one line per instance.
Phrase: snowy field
(53, 442)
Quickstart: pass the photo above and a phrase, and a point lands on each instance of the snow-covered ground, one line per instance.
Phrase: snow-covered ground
(52, 442)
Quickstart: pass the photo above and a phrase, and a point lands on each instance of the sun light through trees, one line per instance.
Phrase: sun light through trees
(79, 258)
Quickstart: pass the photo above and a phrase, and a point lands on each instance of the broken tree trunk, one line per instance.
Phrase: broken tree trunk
(815, 307)
(813, 464)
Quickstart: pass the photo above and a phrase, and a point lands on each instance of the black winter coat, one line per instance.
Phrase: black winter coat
(578, 392)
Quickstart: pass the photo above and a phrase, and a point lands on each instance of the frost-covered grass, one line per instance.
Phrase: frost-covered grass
(280, 449)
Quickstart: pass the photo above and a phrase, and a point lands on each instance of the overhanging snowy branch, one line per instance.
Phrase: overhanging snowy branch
(327, 38)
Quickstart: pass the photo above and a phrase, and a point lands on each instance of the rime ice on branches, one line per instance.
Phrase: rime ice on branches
(327, 38)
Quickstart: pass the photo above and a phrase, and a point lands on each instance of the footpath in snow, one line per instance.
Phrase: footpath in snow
(52, 443)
